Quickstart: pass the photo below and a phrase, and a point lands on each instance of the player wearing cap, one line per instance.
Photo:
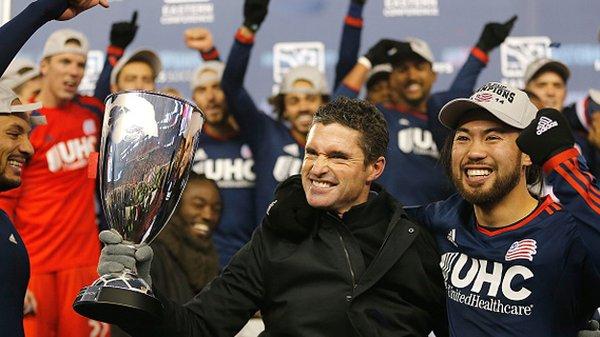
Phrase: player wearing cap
(278, 149)
(223, 153)
(413, 175)
(377, 84)
(137, 71)
(24, 78)
(54, 208)
(547, 79)
(514, 265)
(15, 150)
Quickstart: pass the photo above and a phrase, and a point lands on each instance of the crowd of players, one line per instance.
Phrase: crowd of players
(243, 151)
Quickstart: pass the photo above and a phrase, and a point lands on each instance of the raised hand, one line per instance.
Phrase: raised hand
(198, 38)
(255, 12)
(122, 33)
(494, 34)
(548, 134)
(77, 6)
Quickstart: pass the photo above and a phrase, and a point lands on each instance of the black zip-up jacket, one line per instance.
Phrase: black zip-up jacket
(304, 271)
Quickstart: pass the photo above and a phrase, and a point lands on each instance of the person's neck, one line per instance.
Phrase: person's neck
(515, 206)
(223, 129)
(299, 136)
(413, 106)
(49, 100)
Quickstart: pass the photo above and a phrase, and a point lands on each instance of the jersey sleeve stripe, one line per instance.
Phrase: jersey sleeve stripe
(580, 190)
(585, 181)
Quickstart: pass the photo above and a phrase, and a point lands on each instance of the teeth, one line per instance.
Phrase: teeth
(478, 173)
(15, 163)
(200, 227)
(321, 183)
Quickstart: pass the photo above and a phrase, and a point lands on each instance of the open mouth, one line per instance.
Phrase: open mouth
(477, 175)
(201, 229)
(70, 85)
(16, 164)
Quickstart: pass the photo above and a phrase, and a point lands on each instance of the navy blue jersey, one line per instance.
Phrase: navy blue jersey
(536, 277)
(277, 155)
(14, 276)
(413, 174)
(230, 164)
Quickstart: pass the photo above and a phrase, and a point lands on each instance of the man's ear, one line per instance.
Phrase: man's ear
(44, 65)
(526, 160)
(376, 169)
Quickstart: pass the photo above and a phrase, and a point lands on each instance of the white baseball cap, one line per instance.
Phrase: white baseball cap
(508, 104)
(304, 73)
(7, 97)
(545, 64)
(207, 72)
(58, 43)
(142, 55)
(18, 72)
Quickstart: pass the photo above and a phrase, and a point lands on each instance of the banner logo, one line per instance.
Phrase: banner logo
(517, 52)
(393, 8)
(175, 12)
(287, 55)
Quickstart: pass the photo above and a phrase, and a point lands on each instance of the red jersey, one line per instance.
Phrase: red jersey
(54, 209)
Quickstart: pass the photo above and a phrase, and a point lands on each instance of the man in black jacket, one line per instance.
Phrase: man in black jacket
(335, 255)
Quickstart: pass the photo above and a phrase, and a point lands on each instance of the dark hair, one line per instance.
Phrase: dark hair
(361, 116)
(200, 177)
(278, 103)
(533, 173)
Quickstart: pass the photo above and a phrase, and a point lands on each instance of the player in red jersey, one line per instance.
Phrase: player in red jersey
(54, 208)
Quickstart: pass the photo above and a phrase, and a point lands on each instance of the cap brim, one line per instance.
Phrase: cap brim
(452, 113)
(26, 107)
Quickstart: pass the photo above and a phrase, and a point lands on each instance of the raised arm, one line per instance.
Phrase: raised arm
(350, 42)
(241, 105)
(380, 53)
(121, 35)
(17, 31)
(549, 142)
(201, 39)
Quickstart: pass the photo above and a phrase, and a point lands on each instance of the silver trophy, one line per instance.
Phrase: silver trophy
(147, 146)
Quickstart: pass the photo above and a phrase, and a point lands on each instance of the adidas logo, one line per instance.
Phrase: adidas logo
(12, 239)
(544, 125)
(452, 237)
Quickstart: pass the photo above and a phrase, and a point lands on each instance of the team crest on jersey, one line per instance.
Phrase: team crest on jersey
(524, 249)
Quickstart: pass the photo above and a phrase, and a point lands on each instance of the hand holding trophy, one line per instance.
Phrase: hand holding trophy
(147, 146)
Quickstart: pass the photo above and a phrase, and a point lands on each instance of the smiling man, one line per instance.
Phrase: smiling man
(54, 209)
(515, 265)
(335, 255)
(15, 150)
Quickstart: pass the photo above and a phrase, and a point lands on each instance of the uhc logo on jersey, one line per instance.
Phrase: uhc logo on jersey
(287, 165)
(487, 285)
(418, 141)
(71, 154)
(227, 172)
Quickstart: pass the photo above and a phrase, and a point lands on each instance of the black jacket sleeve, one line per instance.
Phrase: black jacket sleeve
(222, 308)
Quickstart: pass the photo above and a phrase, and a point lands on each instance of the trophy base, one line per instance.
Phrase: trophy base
(117, 305)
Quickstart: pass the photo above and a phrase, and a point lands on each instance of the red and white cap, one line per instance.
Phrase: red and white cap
(508, 104)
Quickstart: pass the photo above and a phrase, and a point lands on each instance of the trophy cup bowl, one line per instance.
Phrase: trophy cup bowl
(147, 146)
